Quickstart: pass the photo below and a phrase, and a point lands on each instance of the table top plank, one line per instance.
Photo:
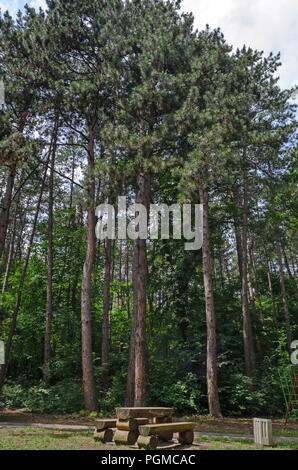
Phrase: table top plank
(143, 412)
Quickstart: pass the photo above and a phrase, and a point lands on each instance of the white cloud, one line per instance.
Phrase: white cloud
(11, 5)
(261, 24)
(14, 5)
(38, 3)
(3, 6)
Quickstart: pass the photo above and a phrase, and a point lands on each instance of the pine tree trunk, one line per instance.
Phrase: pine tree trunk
(255, 284)
(130, 385)
(212, 386)
(10, 255)
(247, 328)
(120, 292)
(235, 198)
(127, 279)
(136, 384)
(86, 317)
(49, 309)
(291, 276)
(105, 348)
(140, 313)
(284, 296)
(221, 269)
(4, 216)
(274, 311)
(130, 388)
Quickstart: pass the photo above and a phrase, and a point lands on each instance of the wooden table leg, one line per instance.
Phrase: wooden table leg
(125, 437)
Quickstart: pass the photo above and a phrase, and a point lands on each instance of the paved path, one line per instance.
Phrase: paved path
(76, 427)
(59, 427)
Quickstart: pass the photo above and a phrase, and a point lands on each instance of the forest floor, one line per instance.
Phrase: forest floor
(67, 432)
(21, 431)
(204, 423)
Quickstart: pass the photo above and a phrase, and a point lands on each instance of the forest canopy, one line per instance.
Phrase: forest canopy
(109, 98)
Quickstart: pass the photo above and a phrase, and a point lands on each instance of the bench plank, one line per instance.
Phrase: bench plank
(152, 429)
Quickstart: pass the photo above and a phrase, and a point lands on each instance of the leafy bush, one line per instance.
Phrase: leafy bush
(12, 396)
(185, 395)
(265, 398)
(64, 397)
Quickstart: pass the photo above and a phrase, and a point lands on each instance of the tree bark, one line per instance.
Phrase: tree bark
(284, 296)
(291, 276)
(136, 386)
(247, 328)
(237, 230)
(212, 385)
(105, 347)
(256, 291)
(274, 311)
(86, 317)
(49, 303)
(130, 388)
(127, 278)
(10, 255)
(4, 216)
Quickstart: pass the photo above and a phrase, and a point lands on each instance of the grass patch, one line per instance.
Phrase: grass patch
(44, 439)
(285, 432)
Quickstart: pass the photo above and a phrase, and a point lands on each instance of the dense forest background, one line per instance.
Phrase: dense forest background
(111, 98)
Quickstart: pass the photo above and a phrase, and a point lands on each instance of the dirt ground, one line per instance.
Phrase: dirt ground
(239, 425)
(204, 423)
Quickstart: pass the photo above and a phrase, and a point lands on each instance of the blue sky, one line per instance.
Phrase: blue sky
(262, 24)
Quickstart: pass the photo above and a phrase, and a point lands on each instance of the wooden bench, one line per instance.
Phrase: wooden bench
(150, 433)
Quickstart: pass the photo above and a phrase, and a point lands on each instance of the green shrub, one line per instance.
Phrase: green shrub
(12, 396)
(185, 395)
(64, 397)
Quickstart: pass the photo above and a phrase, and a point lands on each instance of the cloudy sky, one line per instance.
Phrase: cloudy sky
(262, 24)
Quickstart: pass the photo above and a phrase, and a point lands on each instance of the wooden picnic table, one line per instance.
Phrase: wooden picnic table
(144, 425)
(130, 418)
